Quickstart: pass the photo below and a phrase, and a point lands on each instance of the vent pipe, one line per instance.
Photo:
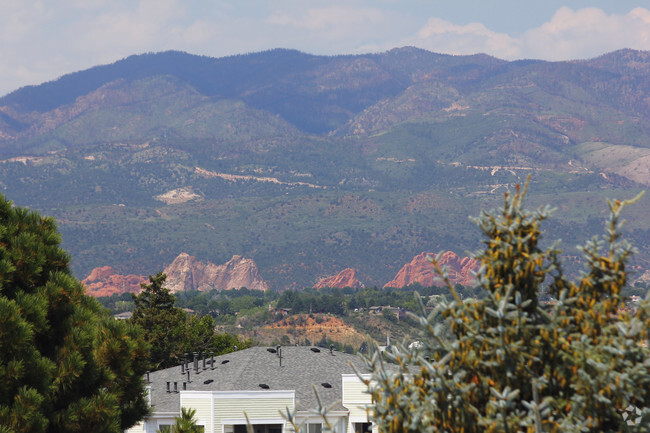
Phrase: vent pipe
(211, 360)
(184, 386)
(331, 349)
(196, 362)
(187, 361)
(148, 381)
(183, 367)
(188, 375)
(175, 386)
(203, 358)
(168, 387)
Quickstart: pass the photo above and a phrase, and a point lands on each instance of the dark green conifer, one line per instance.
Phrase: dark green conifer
(65, 364)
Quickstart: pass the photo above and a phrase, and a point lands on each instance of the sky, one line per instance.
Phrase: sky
(40, 40)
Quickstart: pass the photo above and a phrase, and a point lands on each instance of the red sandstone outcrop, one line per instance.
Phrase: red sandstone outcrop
(187, 273)
(105, 282)
(421, 271)
(345, 278)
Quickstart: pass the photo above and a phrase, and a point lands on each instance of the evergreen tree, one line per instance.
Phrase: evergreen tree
(161, 321)
(171, 332)
(581, 363)
(65, 364)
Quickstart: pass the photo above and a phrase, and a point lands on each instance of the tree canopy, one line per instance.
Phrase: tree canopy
(172, 332)
(65, 364)
(578, 363)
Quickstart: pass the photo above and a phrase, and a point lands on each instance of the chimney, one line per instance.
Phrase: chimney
(175, 386)
(168, 387)
(211, 360)
(203, 357)
(196, 362)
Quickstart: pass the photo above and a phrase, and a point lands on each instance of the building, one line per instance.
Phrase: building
(259, 383)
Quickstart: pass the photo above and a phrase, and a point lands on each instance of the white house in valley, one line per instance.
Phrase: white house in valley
(259, 383)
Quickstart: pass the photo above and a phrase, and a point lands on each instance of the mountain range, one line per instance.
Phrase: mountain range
(312, 164)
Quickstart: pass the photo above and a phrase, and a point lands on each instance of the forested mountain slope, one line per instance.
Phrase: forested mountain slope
(312, 164)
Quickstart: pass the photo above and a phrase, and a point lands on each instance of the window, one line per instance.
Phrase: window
(362, 427)
(311, 428)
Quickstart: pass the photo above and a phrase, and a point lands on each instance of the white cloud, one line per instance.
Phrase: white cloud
(442, 36)
(567, 35)
(586, 33)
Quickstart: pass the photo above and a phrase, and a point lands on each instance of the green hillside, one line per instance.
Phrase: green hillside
(312, 164)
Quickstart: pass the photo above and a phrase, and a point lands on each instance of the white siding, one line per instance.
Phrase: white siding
(260, 407)
(203, 408)
(356, 400)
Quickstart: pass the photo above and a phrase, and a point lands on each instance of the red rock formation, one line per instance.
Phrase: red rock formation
(420, 270)
(345, 278)
(105, 282)
(187, 273)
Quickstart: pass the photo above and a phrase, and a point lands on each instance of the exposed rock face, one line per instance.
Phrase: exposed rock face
(187, 273)
(420, 270)
(105, 282)
(345, 278)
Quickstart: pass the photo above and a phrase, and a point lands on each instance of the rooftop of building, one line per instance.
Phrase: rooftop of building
(260, 369)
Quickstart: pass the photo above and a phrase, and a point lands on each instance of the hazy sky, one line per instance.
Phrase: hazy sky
(42, 40)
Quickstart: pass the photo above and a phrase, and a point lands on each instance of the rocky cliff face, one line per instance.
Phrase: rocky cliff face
(421, 271)
(187, 273)
(105, 282)
(345, 278)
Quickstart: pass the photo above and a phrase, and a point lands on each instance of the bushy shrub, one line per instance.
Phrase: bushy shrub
(578, 363)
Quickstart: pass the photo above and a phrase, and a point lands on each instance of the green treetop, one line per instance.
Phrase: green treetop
(65, 364)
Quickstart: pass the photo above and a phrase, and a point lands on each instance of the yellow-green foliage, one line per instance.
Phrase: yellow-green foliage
(579, 363)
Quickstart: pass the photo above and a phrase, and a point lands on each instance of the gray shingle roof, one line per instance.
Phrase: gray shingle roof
(246, 369)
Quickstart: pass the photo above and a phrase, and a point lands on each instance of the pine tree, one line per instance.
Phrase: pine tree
(65, 364)
(161, 321)
(581, 363)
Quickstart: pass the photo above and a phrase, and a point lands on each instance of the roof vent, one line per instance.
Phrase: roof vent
(225, 361)
(326, 385)
(208, 382)
(271, 350)
(315, 350)
(264, 386)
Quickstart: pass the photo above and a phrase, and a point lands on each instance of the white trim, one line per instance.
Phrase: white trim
(253, 394)
(253, 420)
(195, 394)
(351, 377)
(156, 415)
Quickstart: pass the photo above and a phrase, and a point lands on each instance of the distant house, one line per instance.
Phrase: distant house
(399, 313)
(123, 316)
(258, 383)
